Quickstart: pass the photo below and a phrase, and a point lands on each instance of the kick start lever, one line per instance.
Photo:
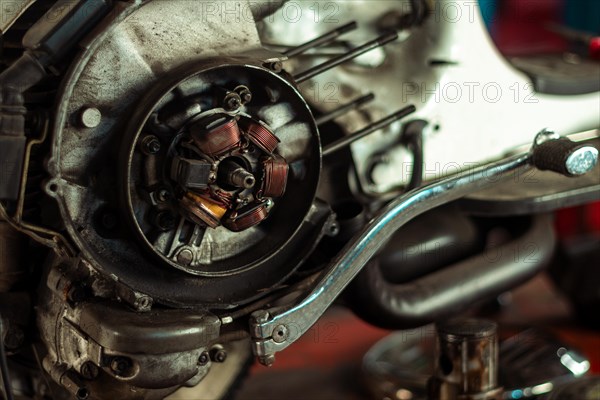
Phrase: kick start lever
(275, 329)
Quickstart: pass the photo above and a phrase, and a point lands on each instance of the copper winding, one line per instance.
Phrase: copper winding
(246, 219)
(201, 209)
(223, 196)
(275, 177)
(261, 136)
(214, 141)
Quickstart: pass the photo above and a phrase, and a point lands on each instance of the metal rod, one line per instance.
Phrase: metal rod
(334, 62)
(364, 245)
(325, 38)
(345, 141)
(354, 104)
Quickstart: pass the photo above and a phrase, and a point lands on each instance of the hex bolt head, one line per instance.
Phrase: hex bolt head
(89, 370)
(267, 360)
(90, 117)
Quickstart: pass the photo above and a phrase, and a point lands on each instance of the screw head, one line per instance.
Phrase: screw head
(232, 101)
(90, 117)
(151, 145)
(89, 370)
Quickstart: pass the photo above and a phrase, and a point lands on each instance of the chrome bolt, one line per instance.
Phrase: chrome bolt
(582, 160)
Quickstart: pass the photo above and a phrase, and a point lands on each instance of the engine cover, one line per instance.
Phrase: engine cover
(210, 198)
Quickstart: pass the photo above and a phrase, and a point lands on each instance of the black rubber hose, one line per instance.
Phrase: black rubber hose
(455, 288)
(413, 135)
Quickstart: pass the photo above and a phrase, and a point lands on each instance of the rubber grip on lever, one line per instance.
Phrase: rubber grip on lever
(553, 155)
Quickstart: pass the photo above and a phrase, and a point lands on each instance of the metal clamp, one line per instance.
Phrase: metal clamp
(275, 329)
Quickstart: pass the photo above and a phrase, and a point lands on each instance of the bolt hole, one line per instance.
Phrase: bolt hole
(82, 393)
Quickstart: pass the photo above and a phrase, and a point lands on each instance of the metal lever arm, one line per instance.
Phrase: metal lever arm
(275, 329)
